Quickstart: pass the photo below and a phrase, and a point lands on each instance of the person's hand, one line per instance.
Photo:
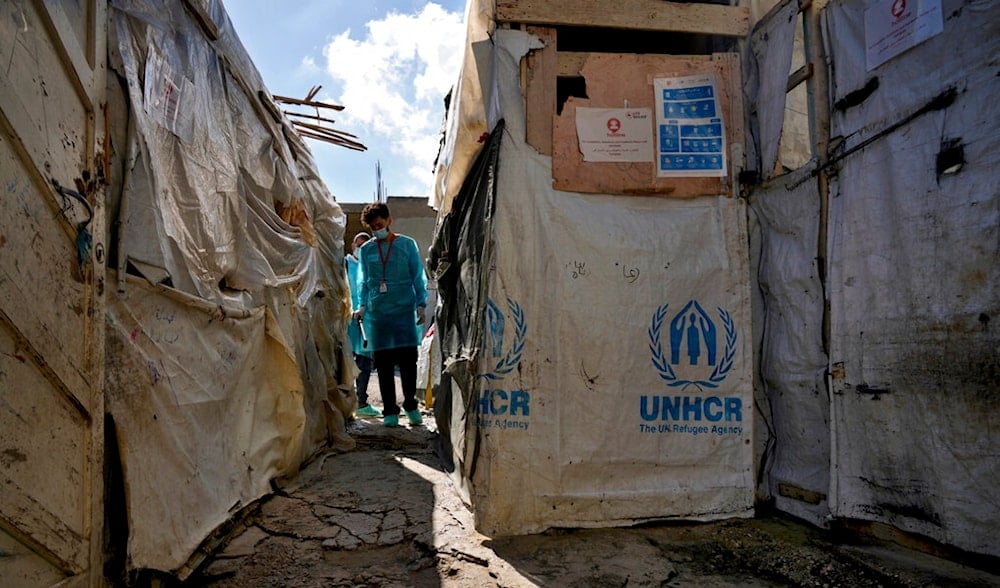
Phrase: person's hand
(358, 314)
(420, 314)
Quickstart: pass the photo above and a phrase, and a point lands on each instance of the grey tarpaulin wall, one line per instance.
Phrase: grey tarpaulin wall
(793, 363)
(915, 280)
(227, 315)
(905, 429)
(793, 402)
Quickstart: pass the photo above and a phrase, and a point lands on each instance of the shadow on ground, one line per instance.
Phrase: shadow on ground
(361, 518)
(385, 514)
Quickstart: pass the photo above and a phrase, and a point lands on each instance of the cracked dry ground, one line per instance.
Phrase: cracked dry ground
(385, 514)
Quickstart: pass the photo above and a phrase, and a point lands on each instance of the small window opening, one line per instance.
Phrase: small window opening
(569, 86)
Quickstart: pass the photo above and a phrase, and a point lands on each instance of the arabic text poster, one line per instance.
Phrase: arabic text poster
(615, 134)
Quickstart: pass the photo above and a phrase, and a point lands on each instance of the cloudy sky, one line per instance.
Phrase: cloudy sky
(390, 63)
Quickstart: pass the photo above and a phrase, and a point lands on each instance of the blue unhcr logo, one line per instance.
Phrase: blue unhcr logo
(693, 346)
(493, 339)
(498, 408)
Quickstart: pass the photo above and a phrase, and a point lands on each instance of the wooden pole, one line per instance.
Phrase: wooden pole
(289, 100)
(312, 116)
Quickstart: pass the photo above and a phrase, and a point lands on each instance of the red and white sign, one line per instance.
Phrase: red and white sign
(615, 134)
(893, 26)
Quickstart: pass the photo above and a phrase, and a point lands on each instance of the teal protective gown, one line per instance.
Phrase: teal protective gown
(353, 267)
(391, 315)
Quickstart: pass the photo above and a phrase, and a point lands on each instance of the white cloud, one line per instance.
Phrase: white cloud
(394, 81)
(309, 64)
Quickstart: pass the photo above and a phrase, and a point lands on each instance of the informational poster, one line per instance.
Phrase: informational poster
(167, 97)
(615, 134)
(893, 26)
(690, 131)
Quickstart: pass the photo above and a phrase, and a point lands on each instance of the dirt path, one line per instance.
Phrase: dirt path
(386, 515)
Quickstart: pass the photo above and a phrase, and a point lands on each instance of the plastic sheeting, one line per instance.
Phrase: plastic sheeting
(216, 233)
(909, 435)
(602, 356)
(227, 373)
(474, 107)
(793, 362)
(767, 63)
(218, 414)
(461, 252)
(915, 280)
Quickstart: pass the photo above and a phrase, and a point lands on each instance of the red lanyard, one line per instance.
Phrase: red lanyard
(385, 258)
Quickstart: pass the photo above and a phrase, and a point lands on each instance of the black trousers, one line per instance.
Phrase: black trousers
(386, 361)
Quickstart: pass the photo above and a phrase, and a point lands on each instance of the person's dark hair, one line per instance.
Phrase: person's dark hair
(374, 210)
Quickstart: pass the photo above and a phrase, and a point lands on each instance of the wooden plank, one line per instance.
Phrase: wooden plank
(818, 87)
(45, 303)
(644, 15)
(334, 140)
(37, 74)
(300, 102)
(324, 130)
(27, 521)
(736, 121)
(540, 91)
(800, 494)
(52, 317)
(76, 57)
(798, 76)
(24, 567)
(45, 442)
(309, 116)
(613, 79)
(257, 102)
(570, 63)
(269, 106)
(203, 18)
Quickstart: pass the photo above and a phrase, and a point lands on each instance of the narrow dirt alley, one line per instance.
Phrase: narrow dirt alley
(385, 514)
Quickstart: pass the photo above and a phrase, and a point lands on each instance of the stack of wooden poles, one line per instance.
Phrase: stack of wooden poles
(317, 130)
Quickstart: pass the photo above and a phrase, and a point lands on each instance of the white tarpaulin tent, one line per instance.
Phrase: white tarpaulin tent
(615, 411)
(226, 330)
(602, 359)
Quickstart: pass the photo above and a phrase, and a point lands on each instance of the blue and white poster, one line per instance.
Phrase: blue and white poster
(691, 136)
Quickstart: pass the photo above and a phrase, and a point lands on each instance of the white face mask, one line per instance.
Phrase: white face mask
(381, 233)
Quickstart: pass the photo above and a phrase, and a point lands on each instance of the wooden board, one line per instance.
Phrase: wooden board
(613, 79)
(540, 90)
(646, 15)
(51, 301)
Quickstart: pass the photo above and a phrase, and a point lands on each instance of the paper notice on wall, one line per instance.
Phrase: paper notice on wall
(615, 134)
(893, 26)
(167, 97)
(690, 131)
